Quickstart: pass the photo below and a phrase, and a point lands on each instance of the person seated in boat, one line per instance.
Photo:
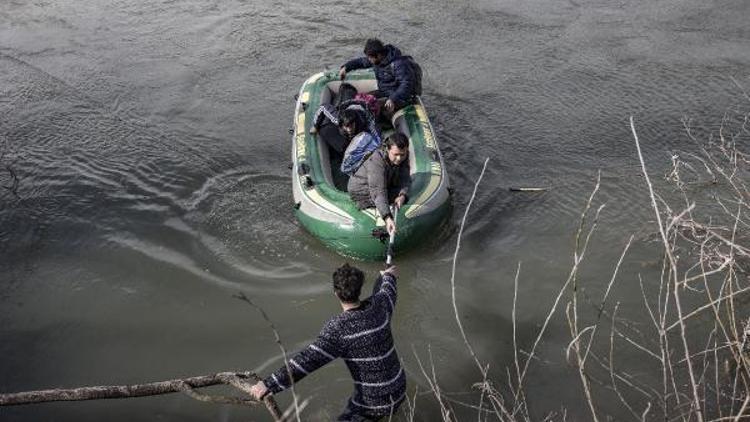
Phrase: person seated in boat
(349, 97)
(362, 143)
(383, 179)
(399, 76)
(369, 102)
(326, 122)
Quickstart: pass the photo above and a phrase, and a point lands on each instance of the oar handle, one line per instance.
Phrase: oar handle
(391, 238)
(389, 253)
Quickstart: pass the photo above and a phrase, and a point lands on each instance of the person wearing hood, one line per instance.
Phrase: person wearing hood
(362, 143)
(328, 125)
(399, 76)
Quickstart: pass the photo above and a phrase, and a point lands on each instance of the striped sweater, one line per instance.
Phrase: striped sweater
(362, 337)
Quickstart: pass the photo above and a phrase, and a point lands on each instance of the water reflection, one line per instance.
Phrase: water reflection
(151, 145)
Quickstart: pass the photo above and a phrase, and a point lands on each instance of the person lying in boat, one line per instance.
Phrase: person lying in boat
(399, 77)
(361, 336)
(326, 121)
(383, 179)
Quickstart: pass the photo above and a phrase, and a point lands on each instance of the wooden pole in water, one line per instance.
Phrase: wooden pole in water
(527, 189)
(239, 380)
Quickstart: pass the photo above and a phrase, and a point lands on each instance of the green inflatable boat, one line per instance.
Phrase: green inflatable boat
(328, 213)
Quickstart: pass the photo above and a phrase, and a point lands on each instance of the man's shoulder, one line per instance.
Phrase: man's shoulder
(383, 301)
(362, 138)
(392, 51)
(332, 326)
(377, 158)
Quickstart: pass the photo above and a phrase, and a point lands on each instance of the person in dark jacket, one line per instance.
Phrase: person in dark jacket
(397, 75)
(361, 336)
(328, 125)
(383, 178)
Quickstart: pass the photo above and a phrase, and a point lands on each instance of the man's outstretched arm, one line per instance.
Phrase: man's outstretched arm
(309, 359)
(386, 284)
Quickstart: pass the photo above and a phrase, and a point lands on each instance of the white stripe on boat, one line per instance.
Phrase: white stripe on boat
(327, 205)
(314, 78)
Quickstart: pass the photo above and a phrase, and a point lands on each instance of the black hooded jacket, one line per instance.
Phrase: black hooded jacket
(395, 75)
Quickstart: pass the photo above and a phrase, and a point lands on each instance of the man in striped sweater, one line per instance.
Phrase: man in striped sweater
(361, 335)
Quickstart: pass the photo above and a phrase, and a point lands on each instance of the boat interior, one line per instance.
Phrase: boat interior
(330, 159)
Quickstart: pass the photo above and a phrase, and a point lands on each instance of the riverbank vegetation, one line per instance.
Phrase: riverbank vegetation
(692, 356)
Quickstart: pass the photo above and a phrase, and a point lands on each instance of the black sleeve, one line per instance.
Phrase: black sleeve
(358, 63)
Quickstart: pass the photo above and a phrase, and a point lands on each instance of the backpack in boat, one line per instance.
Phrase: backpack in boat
(415, 69)
(369, 101)
(358, 151)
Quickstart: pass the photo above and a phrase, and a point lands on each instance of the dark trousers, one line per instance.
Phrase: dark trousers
(382, 97)
(330, 134)
(354, 413)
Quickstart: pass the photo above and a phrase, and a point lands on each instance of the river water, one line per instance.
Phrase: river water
(150, 144)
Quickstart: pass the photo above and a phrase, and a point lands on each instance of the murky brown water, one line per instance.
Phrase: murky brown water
(150, 141)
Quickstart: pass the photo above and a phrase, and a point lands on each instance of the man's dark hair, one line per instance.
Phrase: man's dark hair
(398, 139)
(373, 47)
(346, 93)
(352, 117)
(347, 283)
